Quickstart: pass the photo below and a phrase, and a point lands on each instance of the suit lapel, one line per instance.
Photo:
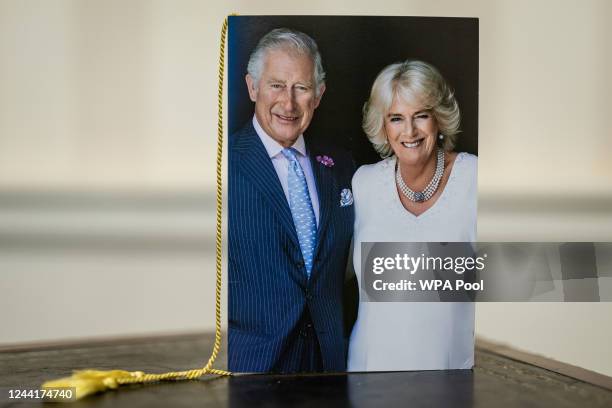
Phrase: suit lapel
(257, 167)
(325, 190)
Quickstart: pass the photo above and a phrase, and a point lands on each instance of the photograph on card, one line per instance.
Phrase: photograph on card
(345, 130)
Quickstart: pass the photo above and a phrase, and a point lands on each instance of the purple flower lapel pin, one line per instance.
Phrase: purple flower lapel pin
(325, 160)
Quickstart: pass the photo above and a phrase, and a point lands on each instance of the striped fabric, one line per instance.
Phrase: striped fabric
(275, 311)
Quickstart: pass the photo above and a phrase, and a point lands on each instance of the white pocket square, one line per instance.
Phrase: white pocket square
(346, 197)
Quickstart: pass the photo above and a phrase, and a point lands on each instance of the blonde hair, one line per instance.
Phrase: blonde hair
(415, 82)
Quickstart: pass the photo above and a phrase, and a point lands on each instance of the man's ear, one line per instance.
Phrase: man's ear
(251, 87)
(321, 92)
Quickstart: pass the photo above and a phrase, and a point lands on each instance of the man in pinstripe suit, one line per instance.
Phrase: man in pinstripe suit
(290, 219)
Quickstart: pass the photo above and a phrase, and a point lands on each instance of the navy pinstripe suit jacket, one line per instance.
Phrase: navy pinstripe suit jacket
(269, 292)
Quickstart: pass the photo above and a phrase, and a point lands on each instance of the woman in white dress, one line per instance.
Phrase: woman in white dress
(421, 191)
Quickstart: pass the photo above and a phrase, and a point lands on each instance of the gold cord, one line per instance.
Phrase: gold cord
(91, 381)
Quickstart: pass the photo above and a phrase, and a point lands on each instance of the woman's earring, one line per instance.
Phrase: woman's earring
(441, 136)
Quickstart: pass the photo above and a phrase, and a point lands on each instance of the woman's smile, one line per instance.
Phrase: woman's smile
(411, 145)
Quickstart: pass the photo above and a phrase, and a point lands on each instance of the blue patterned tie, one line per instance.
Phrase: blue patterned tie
(301, 209)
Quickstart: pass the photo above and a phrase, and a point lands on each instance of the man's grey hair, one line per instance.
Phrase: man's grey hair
(286, 38)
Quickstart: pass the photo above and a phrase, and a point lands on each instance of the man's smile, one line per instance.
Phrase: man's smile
(283, 118)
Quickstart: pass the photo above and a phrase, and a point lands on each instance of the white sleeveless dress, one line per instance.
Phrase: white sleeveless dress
(396, 336)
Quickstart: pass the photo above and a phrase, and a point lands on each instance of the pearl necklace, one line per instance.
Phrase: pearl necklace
(420, 196)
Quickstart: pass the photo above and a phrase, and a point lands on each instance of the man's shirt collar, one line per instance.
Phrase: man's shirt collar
(272, 146)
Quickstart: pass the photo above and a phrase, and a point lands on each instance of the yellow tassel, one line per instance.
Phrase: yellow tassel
(86, 382)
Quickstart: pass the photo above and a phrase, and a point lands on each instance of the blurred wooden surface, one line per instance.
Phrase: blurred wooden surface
(497, 380)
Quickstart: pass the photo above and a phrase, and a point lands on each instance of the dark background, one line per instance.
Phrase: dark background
(354, 50)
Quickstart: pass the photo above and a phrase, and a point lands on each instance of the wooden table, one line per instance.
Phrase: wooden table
(496, 381)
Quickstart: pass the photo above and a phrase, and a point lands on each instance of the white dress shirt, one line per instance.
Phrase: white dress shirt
(281, 164)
